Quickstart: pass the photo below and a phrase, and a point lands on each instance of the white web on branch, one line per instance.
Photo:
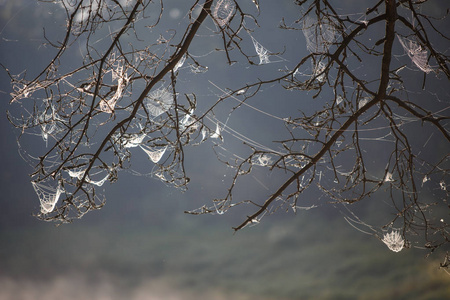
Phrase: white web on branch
(198, 69)
(154, 155)
(319, 34)
(318, 71)
(388, 177)
(120, 76)
(97, 182)
(394, 240)
(223, 11)
(80, 173)
(48, 125)
(48, 196)
(180, 63)
(262, 52)
(24, 89)
(132, 140)
(363, 101)
(416, 53)
(216, 134)
(204, 134)
(188, 122)
(76, 174)
(158, 102)
(263, 160)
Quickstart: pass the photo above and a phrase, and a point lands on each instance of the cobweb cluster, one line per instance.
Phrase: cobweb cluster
(326, 115)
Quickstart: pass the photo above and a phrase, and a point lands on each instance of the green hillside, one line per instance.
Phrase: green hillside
(305, 257)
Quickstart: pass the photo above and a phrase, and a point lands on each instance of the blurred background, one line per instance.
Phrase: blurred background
(141, 245)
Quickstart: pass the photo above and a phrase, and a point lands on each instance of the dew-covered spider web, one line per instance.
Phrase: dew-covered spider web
(319, 71)
(76, 173)
(47, 124)
(319, 35)
(180, 63)
(416, 53)
(158, 102)
(223, 11)
(117, 75)
(394, 240)
(154, 155)
(98, 182)
(48, 196)
(80, 173)
(263, 53)
(130, 140)
(217, 132)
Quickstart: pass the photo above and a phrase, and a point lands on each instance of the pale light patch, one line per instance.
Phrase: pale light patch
(174, 13)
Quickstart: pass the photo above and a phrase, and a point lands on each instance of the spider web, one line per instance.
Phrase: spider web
(223, 11)
(319, 35)
(48, 196)
(416, 53)
(98, 182)
(76, 174)
(132, 140)
(180, 63)
(393, 240)
(120, 76)
(217, 132)
(48, 126)
(318, 71)
(154, 155)
(80, 173)
(158, 102)
(263, 53)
